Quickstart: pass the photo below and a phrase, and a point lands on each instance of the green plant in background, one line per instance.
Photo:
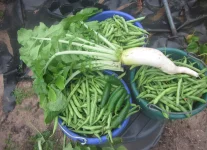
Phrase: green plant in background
(1, 15)
(21, 94)
(10, 145)
(194, 46)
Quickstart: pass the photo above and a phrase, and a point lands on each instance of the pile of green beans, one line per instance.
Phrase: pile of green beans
(124, 33)
(97, 104)
(171, 93)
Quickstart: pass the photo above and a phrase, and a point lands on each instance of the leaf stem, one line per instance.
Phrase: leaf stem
(95, 55)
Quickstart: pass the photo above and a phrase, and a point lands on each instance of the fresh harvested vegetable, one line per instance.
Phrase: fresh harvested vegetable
(59, 53)
(171, 93)
(123, 33)
(154, 58)
(91, 122)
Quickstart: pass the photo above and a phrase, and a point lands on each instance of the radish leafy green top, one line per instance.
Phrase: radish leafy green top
(35, 53)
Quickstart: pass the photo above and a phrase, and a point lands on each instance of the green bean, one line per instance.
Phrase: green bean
(164, 112)
(83, 88)
(141, 94)
(131, 113)
(75, 109)
(100, 115)
(63, 118)
(136, 28)
(108, 126)
(149, 87)
(170, 105)
(85, 122)
(117, 22)
(185, 60)
(135, 20)
(97, 89)
(97, 135)
(136, 41)
(125, 25)
(149, 96)
(138, 73)
(70, 110)
(92, 127)
(87, 132)
(155, 101)
(88, 98)
(135, 33)
(67, 112)
(74, 98)
(194, 87)
(178, 91)
(93, 105)
(105, 28)
(134, 45)
(184, 110)
(73, 90)
(69, 120)
(167, 108)
(75, 119)
(125, 40)
(189, 106)
(197, 99)
(110, 32)
(111, 37)
(134, 108)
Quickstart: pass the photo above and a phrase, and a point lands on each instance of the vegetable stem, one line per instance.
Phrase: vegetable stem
(137, 19)
(89, 54)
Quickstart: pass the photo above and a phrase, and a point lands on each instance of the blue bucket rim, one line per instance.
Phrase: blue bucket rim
(97, 141)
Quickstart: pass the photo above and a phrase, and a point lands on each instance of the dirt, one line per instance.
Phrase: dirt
(17, 127)
(188, 134)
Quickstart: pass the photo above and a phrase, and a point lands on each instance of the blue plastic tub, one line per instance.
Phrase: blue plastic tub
(95, 141)
(109, 14)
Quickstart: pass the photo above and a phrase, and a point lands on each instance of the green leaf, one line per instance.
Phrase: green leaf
(93, 25)
(24, 35)
(193, 47)
(60, 82)
(107, 148)
(77, 148)
(83, 15)
(50, 115)
(51, 94)
(43, 101)
(192, 38)
(59, 104)
(68, 147)
(203, 48)
(121, 148)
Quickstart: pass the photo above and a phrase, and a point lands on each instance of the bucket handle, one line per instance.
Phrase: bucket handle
(82, 140)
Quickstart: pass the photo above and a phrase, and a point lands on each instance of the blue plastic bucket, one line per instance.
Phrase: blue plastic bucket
(109, 14)
(95, 141)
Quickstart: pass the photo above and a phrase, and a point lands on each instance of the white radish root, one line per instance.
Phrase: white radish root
(155, 58)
